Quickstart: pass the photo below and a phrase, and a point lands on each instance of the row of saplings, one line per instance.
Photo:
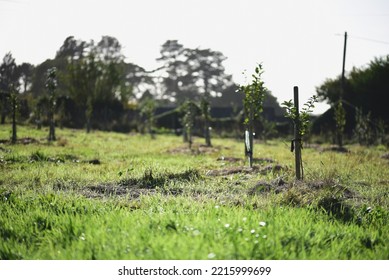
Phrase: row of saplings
(254, 93)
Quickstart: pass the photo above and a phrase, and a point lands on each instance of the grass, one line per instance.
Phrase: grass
(119, 196)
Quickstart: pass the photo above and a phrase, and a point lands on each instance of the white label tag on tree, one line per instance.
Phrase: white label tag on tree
(247, 140)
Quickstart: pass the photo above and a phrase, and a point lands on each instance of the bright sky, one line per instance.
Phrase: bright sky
(299, 42)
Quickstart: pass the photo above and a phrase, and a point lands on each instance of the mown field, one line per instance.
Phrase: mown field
(120, 196)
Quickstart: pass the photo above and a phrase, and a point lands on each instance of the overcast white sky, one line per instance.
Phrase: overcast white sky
(295, 40)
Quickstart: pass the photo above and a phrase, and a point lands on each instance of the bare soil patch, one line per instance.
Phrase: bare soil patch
(101, 190)
(302, 187)
(92, 161)
(235, 159)
(196, 149)
(246, 170)
(328, 196)
(145, 185)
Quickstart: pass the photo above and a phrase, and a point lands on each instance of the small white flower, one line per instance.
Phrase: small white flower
(227, 225)
(265, 236)
(257, 235)
(262, 224)
(240, 229)
(196, 232)
(244, 219)
(217, 206)
(252, 231)
(211, 255)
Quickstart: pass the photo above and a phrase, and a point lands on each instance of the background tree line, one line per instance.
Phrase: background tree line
(365, 100)
(97, 88)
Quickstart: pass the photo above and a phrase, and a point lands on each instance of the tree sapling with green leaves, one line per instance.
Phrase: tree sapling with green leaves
(254, 94)
(301, 120)
(147, 109)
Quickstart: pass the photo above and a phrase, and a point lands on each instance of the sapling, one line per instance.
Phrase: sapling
(147, 111)
(363, 128)
(254, 94)
(51, 85)
(191, 110)
(206, 114)
(340, 120)
(301, 120)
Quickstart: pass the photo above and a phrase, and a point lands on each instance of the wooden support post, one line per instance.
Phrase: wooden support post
(297, 136)
(14, 106)
(251, 136)
(344, 62)
(342, 93)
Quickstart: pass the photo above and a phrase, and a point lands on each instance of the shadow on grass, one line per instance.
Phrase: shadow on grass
(337, 208)
(326, 195)
(145, 185)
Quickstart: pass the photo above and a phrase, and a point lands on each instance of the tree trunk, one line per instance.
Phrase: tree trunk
(3, 108)
(52, 130)
(190, 138)
(38, 119)
(88, 125)
(88, 115)
(52, 127)
(297, 136)
(207, 133)
(14, 136)
(340, 139)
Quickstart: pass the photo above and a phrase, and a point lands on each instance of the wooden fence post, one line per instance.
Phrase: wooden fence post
(297, 136)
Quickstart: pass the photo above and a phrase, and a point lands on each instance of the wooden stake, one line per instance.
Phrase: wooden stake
(344, 62)
(251, 136)
(342, 93)
(297, 136)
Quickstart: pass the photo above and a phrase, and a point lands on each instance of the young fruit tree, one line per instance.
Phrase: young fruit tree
(191, 111)
(147, 110)
(301, 121)
(254, 94)
(206, 114)
(51, 85)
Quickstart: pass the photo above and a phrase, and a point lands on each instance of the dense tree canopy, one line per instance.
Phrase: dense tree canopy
(192, 73)
(9, 82)
(366, 89)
